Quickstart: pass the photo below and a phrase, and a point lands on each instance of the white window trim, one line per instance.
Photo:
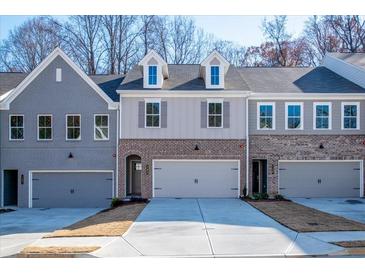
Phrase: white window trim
(343, 104)
(72, 140)
(215, 101)
(315, 104)
(259, 104)
(146, 101)
(9, 128)
(101, 114)
(287, 104)
(45, 114)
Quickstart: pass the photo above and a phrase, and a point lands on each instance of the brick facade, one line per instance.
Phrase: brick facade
(176, 149)
(302, 147)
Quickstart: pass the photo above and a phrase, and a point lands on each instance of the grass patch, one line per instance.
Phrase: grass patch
(111, 222)
(304, 219)
(58, 249)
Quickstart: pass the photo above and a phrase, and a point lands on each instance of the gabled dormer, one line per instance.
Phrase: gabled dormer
(213, 70)
(154, 69)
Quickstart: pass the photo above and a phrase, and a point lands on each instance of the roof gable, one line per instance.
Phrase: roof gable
(5, 104)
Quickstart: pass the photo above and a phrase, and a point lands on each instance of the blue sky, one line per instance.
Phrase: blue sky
(244, 30)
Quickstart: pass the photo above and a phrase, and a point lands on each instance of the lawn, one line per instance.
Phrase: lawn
(304, 219)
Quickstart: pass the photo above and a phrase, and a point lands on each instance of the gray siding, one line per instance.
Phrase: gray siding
(308, 118)
(183, 120)
(45, 96)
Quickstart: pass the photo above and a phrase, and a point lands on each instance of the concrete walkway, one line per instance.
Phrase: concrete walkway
(26, 225)
(214, 228)
(350, 208)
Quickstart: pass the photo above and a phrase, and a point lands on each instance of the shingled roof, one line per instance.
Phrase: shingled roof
(183, 77)
(356, 59)
(297, 80)
(108, 83)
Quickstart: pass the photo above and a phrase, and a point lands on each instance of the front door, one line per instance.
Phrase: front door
(136, 169)
(10, 187)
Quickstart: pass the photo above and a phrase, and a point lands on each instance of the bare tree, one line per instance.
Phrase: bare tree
(275, 32)
(234, 54)
(83, 41)
(321, 38)
(29, 44)
(350, 29)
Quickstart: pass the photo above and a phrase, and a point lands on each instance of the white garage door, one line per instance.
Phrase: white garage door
(189, 179)
(320, 179)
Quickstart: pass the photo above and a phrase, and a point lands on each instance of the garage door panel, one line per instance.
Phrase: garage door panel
(196, 179)
(75, 189)
(319, 179)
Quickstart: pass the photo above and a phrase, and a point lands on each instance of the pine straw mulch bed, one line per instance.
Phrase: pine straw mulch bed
(58, 249)
(304, 219)
(110, 222)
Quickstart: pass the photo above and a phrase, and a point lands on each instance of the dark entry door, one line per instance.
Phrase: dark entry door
(136, 177)
(10, 187)
(255, 177)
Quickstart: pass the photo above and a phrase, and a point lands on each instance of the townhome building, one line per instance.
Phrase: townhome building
(58, 136)
(181, 131)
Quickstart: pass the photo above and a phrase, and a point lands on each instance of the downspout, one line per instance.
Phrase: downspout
(247, 151)
(117, 153)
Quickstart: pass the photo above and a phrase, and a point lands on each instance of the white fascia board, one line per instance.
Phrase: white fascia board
(306, 96)
(216, 54)
(57, 52)
(328, 56)
(183, 93)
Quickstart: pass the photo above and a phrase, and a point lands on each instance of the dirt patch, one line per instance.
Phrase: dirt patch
(113, 222)
(350, 244)
(304, 219)
(58, 249)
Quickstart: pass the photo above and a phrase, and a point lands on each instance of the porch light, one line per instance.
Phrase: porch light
(196, 147)
(321, 146)
(70, 156)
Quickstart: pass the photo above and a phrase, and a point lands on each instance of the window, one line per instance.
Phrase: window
(73, 127)
(265, 116)
(153, 114)
(294, 116)
(16, 124)
(101, 127)
(152, 75)
(215, 114)
(350, 115)
(44, 127)
(322, 116)
(214, 75)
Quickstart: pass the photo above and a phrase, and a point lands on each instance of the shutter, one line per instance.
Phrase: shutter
(203, 114)
(141, 114)
(163, 114)
(226, 114)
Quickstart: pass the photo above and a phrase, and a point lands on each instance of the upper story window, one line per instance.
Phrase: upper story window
(214, 75)
(101, 127)
(215, 114)
(152, 114)
(44, 127)
(322, 116)
(265, 116)
(152, 75)
(16, 127)
(293, 116)
(73, 127)
(351, 115)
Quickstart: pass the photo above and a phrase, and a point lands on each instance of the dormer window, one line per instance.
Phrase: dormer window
(152, 75)
(214, 75)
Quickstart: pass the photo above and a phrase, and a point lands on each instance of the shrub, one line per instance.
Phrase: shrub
(260, 196)
(116, 202)
(279, 197)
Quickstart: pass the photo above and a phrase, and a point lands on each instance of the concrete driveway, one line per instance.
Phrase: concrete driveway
(26, 225)
(214, 227)
(350, 208)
